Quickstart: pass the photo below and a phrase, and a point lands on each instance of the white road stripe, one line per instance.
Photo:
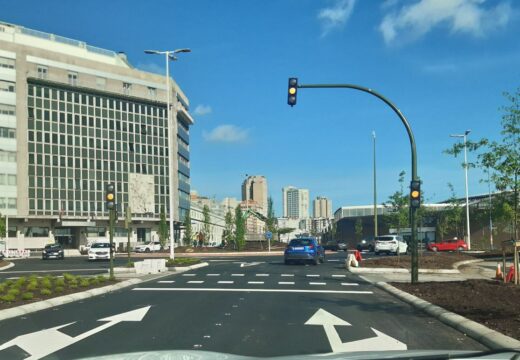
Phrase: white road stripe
(255, 282)
(317, 283)
(285, 282)
(237, 274)
(349, 284)
(256, 290)
(196, 282)
(212, 274)
(312, 275)
(262, 274)
(334, 260)
(339, 276)
(166, 281)
(188, 274)
(226, 282)
(288, 275)
(47, 271)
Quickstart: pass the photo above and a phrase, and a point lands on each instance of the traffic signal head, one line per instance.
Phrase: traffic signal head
(415, 194)
(292, 91)
(110, 196)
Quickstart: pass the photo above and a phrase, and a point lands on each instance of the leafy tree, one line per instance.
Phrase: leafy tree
(228, 230)
(271, 219)
(2, 226)
(398, 203)
(358, 228)
(240, 228)
(501, 157)
(450, 220)
(206, 220)
(163, 228)
(188, 232)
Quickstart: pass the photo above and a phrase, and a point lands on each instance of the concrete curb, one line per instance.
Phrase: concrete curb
(490, 338)
(7, 267)
(61, 300)
(465, 262)
(400, 271)
(186, 268)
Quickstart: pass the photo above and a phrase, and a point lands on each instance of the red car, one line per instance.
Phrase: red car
(448, 245)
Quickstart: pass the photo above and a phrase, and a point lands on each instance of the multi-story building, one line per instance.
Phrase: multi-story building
(216, 224)
(73, 118)
(230, 204)
(322, 208)
(295, 202)
(254, 188)
(254, 225)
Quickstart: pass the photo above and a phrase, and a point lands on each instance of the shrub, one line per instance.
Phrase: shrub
(101, 278)
(130, 264)
(13, 291)
(46, 283)
(8, 283)
(93, 281)
(21, 281)
(8, 298)
(33, 285)
(27, 295)
(69, 277)
(45, 292)
(33, 278)
(84, 283)
(59, 289)
(2, 287)
(59, 282)
(73, 286)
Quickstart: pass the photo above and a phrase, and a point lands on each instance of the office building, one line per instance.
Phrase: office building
(254, 188)
(322, 208)
(73, 118)
(295, 202)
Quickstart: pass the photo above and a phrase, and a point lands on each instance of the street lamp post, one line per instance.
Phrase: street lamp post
(375, 187)
(169, 55)
(465, 136)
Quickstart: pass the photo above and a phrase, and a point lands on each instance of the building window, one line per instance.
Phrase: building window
(36, 231)
(42, 72)
(11, 203)
(7, 109)
(11, 179)
(7, 63)
(7, 86)
(7, 156)
(126, 88)
(101, 82)
(152, 92)
(7, 133)
(73, 78)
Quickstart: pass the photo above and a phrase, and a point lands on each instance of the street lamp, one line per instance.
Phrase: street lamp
(375, 187)
(465, 136)
(169, 55)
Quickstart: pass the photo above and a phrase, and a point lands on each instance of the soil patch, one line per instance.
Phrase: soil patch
(4, 263)
(426, 261)
(491, 303)
(250, 246)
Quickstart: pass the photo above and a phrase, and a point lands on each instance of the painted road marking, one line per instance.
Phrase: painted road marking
(349, 284)
(166, 281)
(226, 282)
(237, 274)
(334, 260)
(339, 276)
(195, 282)
(255, 282)
(47, 271)
(317, 283)
(312, 275)
(285, 282)
(262, 274)
(287, 275)
(212, 274)
(256, 290)
(188, 274)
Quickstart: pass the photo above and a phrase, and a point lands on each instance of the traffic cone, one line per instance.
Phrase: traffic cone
(499, 275)
(510, 274)
(357, 254)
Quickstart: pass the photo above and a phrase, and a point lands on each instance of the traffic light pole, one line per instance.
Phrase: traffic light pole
(111, 230)
(413, 220)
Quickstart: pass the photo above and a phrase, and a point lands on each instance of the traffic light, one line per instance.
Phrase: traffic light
(292, 91)
(110, 196)
(415, 194)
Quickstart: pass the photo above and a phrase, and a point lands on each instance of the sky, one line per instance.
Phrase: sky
(444, 63)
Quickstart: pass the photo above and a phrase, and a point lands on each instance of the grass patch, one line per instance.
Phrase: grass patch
(130, 264)
(59, 289)
(84, 283)
(101, 279)
(27, 295)
(45, 292)
(8, 298)
(182, 261)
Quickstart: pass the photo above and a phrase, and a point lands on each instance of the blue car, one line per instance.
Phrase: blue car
(304, 249)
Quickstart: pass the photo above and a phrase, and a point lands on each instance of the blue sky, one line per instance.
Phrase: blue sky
(444, 63)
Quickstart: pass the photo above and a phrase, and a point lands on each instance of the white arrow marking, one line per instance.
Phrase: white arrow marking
(381, 342)
(44, 342)
(246, 264)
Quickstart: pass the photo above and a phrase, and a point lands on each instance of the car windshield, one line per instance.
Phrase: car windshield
(156, 193)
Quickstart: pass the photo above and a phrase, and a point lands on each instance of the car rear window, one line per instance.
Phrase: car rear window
(101, 245)
(385, 238)
(52, 246)
(301, 242)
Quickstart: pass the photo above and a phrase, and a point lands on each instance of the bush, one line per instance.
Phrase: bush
(33, 285)
(182, 261)
(101, 278)
(21, 281)
(13, 291)
(8, 283)
(45, 292)
(130, 264)
(69, 277)
(27, 295)
(2, 287)
(93, 281)
(73, 286)
(46, 283)
(8, 298)
(84, 283)
(59, 282)
(59, 289)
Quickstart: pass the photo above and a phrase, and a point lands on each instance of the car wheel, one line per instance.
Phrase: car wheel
(435, 249)
(315, 261)
(322, 259)
(147, 250)
(460, 248)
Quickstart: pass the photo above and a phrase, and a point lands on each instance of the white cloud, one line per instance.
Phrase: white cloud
(227, 134)
(202, 110)
(151, 67)
(335, 16)
(460, 16)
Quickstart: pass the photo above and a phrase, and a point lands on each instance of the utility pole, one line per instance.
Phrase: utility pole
(110, 197)
(375, 187)
(128, 223)
(490, 217)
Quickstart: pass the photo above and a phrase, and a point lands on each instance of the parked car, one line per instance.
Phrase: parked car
(335, 246)
(365, 245)
(99, 251)
(304, 249)
(448, 245)
(53, 251)
(152, 246)
(390, 244)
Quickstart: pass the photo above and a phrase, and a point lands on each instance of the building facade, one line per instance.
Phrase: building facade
(74, 118)
(254, 188)
(295, 202)
(322, 208)
(217, 223)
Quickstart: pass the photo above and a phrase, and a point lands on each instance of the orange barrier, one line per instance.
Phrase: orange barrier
(357, 254)
(510, 274)
(499, 275)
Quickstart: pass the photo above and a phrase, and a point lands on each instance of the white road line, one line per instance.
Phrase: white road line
(312, 275)
(334, 260)
(256, 290)
(166, 281)
(339, 276)
(255, 282)
(212, 274)
(237, 274)
(317, 283)
(226, 282)
(188, 274)
(47, 271)
(262, 274)
(285, 282)
(195, 282)
(349, 284)
(287, 275)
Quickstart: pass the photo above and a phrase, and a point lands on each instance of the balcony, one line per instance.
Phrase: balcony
(183, 152)
(184, 169)
(183, 134)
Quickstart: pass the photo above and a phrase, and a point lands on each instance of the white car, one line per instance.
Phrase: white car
(391, 244)
(99, 251)
(152, 246)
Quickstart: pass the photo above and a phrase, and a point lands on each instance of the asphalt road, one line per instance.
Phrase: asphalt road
(246, 306)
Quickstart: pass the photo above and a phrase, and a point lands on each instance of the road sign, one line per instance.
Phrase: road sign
(268, 235)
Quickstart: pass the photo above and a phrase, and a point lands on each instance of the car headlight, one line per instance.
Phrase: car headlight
(91, 252)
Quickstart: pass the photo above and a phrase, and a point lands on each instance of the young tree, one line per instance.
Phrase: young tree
(188, 232)
(398, 203)
(228, 230)
(2, 226)
(271, 219)
(240, 228)
(206, 220)
(163, 228)
(358, 228)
